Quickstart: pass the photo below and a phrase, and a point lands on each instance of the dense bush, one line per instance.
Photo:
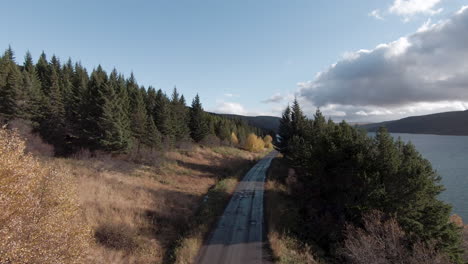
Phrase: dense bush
(39, 215)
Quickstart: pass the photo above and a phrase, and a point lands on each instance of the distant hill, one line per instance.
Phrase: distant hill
(447, 123)
(264, 122)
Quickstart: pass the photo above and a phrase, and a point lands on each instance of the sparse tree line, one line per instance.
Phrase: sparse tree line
(72, 109)
(344, 176)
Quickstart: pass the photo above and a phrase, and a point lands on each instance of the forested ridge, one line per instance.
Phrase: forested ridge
(73, 109)
(364, 199)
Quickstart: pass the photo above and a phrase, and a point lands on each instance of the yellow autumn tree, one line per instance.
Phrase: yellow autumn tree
(39, 214)
(254, 143)
(234, 139)
(267, 140)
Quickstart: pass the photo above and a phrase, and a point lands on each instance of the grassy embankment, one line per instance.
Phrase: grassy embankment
(154, 212)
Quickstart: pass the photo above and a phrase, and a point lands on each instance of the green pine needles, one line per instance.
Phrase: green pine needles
(73, 109)
(344, 174)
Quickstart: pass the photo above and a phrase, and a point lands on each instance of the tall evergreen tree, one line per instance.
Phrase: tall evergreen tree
(198, 125)
(115, 137)
(162, 114)
(179, 116)
(52, 124)
(138, 111)
(92, 108)
(32, 92)
(152, 137)
(285, 130)
(43, 73)
(10, 85)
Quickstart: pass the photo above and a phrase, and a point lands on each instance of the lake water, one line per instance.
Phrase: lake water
(449, 156)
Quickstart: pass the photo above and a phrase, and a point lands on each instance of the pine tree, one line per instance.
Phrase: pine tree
(92, 112)
(138, 111)
(32, 96)
(198, 126)
(115, 137)
(152, 139)
(161, 114)
(43, 73)
(179, 116)
(10, 85)
(52, 124)
(285, 130)
(298, 120)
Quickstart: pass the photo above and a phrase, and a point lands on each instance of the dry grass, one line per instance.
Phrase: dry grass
(138, 212)
(281, 217)
(39, 216)
(153, 207)
(188, 246)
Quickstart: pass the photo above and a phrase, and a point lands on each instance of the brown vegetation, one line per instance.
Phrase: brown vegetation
(382, 240)
(138, 212)
(135, 208)
(39, 216)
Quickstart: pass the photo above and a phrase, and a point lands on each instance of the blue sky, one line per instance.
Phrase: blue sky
(235, 54)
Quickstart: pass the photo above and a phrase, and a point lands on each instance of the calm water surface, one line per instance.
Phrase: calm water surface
(449, 156)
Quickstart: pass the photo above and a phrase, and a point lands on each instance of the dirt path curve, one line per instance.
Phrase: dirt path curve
(238, 237)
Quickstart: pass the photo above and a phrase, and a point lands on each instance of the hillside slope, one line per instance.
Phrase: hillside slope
(447, 123)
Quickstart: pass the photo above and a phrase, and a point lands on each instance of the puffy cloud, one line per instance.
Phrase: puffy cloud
(276, 98)
(376, 113)
(230, 108)
(376, 14)
(412, 7)
(427, 67)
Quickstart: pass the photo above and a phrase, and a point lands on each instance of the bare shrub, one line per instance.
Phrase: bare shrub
(465, 242)
(211, 141)
(116, 236)
(456, 220)
(185, 144)
(39, 213)
(382, 241)
(34, 142)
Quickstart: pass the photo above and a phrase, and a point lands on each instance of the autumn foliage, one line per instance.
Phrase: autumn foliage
(254, 143)
(267, 140)
(38, 216)
(234, 139)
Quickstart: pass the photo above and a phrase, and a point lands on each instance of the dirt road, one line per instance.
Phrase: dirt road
(238, 237)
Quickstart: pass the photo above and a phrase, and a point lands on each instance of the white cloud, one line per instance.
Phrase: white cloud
(376, 14)
(231, 95)
(462, 9)
(276, 98)
(230, 108)
(421, 73)
(413, 7)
